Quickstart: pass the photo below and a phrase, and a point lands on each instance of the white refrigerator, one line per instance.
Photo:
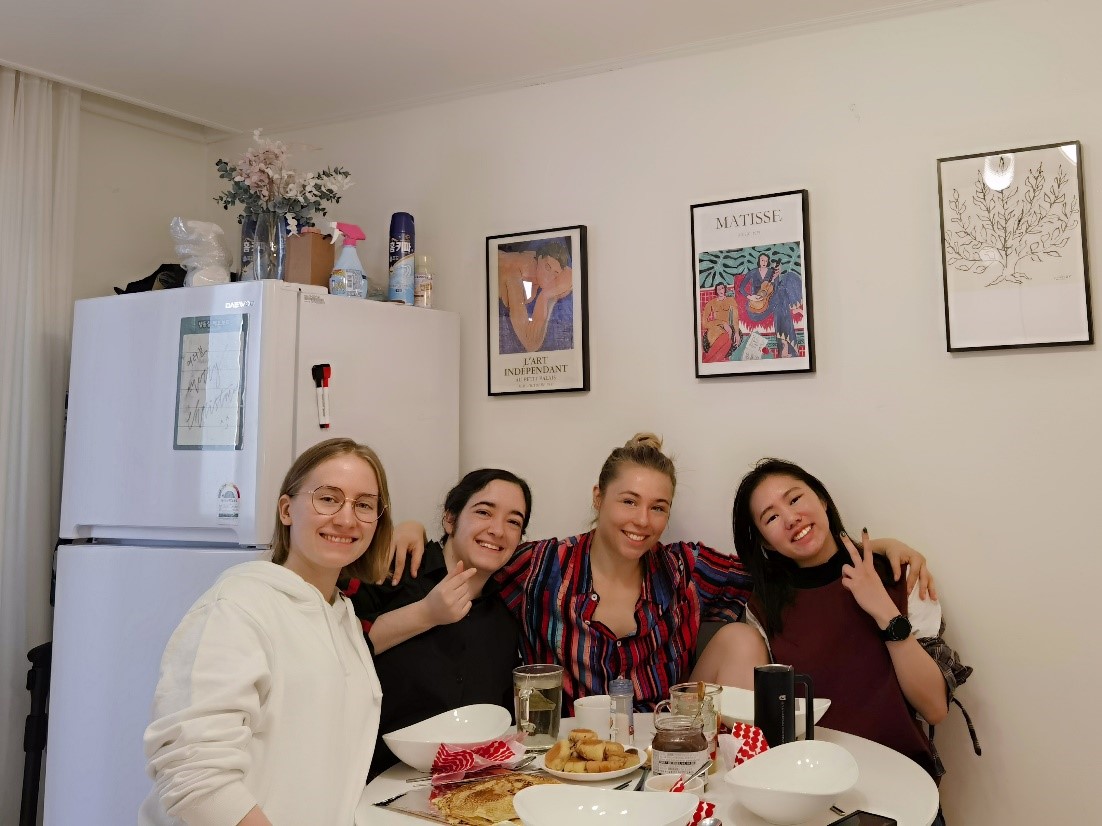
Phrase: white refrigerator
(186, 407)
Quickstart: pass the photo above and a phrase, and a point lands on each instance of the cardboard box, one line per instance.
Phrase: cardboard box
(309, 259)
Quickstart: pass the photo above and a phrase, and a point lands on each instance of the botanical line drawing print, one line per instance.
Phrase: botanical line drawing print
(1002, 229)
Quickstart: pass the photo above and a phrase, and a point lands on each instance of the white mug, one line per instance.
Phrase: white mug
(594, 713)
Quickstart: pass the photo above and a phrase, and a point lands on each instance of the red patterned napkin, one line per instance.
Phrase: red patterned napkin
(705, 809)
(454, 762)
(744, 740)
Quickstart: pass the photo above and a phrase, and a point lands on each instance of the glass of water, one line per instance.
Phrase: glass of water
(537, 696)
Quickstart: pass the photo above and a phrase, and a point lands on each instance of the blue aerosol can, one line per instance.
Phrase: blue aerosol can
(401, 258)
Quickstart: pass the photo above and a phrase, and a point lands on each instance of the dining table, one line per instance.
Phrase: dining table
(888, 784)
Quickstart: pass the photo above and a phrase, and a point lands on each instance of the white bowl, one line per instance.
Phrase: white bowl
(664, 782)
(794, 782)
(590, 806)
(736, 705)
(417, 745)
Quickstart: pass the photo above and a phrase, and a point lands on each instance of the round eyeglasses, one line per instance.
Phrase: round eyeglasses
(328, 500)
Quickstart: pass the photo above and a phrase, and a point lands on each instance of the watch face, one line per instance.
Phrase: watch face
(898, 629)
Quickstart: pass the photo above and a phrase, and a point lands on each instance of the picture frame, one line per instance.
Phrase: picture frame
(1014, 259)
(537, 331)
(751, 266)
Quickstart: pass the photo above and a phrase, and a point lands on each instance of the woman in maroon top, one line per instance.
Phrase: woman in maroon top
(835, 613)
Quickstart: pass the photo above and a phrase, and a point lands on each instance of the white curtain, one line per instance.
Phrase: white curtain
(39, 133)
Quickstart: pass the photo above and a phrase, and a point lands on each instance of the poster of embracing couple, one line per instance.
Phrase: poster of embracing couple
(537, 312)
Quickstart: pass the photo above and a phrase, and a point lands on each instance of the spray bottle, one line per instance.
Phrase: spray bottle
(401, 258)
(348, 277)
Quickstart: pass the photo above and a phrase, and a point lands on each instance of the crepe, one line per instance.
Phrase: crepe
(485, 802)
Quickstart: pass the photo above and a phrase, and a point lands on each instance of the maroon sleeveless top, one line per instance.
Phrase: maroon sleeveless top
(829, 637)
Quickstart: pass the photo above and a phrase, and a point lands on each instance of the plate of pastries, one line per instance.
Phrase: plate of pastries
(586, 757)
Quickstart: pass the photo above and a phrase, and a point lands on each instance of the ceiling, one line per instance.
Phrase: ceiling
(234, 65)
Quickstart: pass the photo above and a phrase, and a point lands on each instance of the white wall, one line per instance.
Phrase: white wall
(986, 462)
(132, 181)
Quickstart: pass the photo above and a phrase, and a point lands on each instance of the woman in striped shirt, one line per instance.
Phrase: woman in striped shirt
(618, 602)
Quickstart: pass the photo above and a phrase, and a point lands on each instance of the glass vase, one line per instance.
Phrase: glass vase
(263, 246)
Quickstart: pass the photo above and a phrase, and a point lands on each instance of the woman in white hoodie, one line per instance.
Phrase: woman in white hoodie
(267, 708)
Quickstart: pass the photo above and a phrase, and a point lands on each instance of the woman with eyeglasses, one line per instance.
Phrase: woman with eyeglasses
(445, 639)
(268, 702)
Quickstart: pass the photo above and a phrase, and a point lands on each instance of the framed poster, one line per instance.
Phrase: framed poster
(1014, 248)
(752, 286)
(537, 331)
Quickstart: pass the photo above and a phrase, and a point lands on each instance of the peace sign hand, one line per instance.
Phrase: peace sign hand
(862, 580)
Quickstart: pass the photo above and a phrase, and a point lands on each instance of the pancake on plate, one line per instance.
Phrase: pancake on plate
(486, 802)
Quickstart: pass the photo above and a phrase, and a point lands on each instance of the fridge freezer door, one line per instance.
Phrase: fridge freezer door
(394, 387)
(116, 608)
(172, 425)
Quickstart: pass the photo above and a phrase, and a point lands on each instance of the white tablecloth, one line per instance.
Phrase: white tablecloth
(889, 784)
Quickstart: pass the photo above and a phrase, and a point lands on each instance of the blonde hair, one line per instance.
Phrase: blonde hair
(372, 563)
(642, 449)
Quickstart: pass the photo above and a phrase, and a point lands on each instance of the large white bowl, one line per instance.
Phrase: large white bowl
(588, 806)
(794, 782)
(736, 705)
(475, 725)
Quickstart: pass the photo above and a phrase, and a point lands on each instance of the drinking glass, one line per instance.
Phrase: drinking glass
(537, 696)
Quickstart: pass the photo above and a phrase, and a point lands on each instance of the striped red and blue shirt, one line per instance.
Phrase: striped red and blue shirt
(548, 585)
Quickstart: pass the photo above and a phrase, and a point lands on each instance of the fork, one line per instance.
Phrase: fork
(525, 762)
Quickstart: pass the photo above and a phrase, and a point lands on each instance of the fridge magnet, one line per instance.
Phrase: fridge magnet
(752, 286)
(537, 332)
(1014, 248)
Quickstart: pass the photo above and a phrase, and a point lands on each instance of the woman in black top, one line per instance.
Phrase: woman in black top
(444, 639)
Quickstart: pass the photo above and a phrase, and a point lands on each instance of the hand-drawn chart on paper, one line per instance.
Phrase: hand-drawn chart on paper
(210, 382)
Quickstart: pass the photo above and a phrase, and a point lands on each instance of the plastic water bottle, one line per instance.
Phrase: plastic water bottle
(422, 283)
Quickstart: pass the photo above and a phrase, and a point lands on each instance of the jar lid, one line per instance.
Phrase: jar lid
(621, 686)
(677, 722)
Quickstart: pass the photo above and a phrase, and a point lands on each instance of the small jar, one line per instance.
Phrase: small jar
(702, 700)
(679, 744)
(621, 692)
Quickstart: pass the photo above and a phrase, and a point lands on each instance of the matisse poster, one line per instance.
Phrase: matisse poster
(752, 286)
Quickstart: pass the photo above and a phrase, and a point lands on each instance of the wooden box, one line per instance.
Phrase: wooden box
(309, 259)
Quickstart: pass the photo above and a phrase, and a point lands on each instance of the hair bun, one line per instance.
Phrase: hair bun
(645, 440)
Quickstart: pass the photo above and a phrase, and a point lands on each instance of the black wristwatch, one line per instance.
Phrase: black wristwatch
(898, 629)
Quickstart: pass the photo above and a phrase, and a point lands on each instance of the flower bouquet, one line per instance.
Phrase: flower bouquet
(262, 181)
(276, 200)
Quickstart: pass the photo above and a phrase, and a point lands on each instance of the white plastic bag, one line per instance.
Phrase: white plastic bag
(202, 252)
